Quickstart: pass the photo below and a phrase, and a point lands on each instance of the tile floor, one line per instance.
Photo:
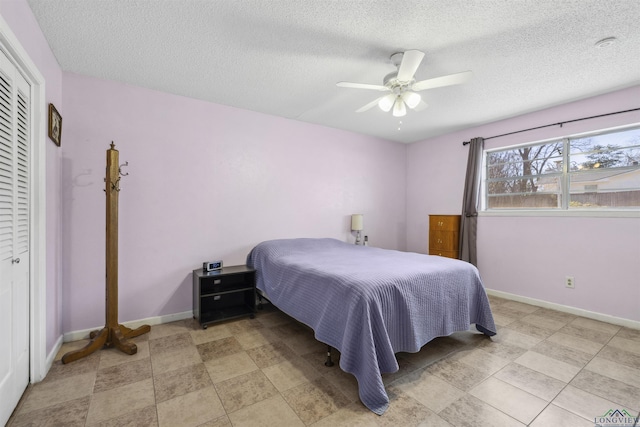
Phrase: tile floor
(544, 368)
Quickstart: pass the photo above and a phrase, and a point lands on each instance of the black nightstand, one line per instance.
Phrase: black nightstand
(224, 294)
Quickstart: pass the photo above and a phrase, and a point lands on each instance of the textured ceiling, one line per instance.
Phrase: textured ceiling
(285, 57)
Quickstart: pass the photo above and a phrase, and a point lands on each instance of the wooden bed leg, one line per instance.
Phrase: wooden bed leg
(329, 362)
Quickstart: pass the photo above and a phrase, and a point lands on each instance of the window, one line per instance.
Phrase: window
(598, 171)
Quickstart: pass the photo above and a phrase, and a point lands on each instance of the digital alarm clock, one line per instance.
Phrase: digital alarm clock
(211, 266)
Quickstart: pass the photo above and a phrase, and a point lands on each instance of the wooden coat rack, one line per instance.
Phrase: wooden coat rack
(113, 334)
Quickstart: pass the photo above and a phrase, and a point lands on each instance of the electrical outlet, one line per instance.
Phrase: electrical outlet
(570, 282)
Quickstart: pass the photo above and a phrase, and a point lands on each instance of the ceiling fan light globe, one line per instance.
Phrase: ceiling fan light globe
(386, 102)
(399, 109)
(412, 99)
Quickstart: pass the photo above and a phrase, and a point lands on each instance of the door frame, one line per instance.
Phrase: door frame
(37, 220)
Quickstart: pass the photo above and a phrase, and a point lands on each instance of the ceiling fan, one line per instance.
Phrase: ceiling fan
(402, 85)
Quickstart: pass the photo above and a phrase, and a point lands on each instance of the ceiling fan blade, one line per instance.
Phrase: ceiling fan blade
(369, 105)
(411, 60)
(421, 106)
(451, 79)
(362, 86)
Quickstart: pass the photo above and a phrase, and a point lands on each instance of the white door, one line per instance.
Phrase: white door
(15, 150)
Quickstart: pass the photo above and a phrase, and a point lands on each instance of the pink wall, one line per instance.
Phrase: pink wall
(206, 182)
(530, 256)
(22, 23)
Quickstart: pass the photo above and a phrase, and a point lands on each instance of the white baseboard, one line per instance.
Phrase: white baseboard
(51, 357)
(567, 309)
(157, 320)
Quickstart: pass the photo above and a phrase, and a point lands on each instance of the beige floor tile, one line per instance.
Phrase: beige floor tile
(625, 344)
(405, 367)
(71, 346)
(230, 366)
(68, 413)
(290, 373)
(431, 391)
(174, 359)
(353, 415)
(584, 404)
(623, 357)
(145, 417)
(615, 370)
(191, 409)
(112, 356)
(51, 393)
(563, 353)
(344, 381)
(119, 401)
(511, 400)
(122, 374)
(304, 344)
(431, 352)
(86, 365)
(513, 337)
(170, 342)
(555, 315)
(533, 382)
(315, 400)
(257, 338)
(502, 349)
(270, 371)
(578, 329)
(558, 417)
(270, 354)
(628, 333)
(502, 319)
(406, 411)
(271, 412)
(181, 381)
(608, 388)
(576, 343)
(240, 326)
(239, 392)
(530, 329)
(548, 366)
(269, 319)
(471, 411)
(167, 329)
(596, 325)
(481, 360)
(458, 374)
(222, 421)
(213, 332)
(219, 348)
(520, 307)
(544, 321)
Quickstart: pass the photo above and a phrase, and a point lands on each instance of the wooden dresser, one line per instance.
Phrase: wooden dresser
(444, 231)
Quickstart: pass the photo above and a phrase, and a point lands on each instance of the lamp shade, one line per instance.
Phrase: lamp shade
(412, 99)
(386, 102)
(399, 109)
(356, 222)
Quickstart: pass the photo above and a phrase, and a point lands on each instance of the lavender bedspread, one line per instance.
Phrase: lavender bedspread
(370, 303)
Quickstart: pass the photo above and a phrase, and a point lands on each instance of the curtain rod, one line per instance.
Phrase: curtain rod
(556, 124)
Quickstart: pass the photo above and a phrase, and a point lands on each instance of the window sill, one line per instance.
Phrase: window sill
(603, 213)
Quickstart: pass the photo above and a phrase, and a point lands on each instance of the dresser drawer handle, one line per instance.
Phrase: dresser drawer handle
(439, 240)
(440, 223)
(217, 281)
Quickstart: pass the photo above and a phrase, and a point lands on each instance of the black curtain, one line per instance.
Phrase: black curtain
(469, 221)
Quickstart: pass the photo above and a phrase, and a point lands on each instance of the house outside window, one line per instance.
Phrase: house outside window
(598, 171)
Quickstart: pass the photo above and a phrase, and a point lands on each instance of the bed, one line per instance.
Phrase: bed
(370, 303)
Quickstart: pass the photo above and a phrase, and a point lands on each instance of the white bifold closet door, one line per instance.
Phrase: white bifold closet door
(15, 162)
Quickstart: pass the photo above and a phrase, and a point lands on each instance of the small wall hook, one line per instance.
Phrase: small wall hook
(120, 169)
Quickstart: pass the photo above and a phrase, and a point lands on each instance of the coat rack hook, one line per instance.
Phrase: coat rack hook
(120, 169)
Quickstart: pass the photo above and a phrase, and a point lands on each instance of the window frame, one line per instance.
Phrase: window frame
(564, 208)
